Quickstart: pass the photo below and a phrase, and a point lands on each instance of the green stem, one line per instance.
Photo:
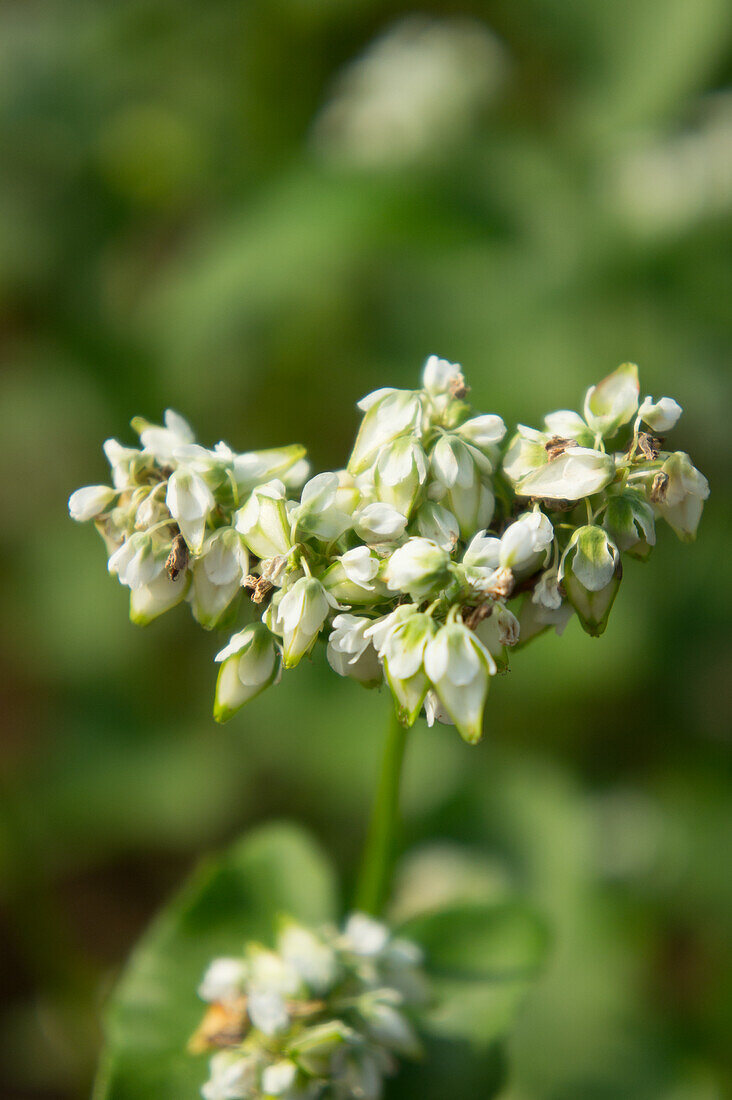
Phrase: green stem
(374, 879)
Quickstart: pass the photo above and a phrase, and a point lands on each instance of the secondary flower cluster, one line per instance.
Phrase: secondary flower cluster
(406, 561)
(326, 1014)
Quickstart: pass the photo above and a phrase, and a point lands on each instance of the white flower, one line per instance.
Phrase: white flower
(661, 415)
(472, 507)
(452, 462)
(350, 576)
(438, 524)
(160, 442)
(135, 562)
(313, 960)
(389, 413)
(526, 453)
(89, 502)
(233, 1077)
(400, 472)
(249, 663)
(630, 522)
(403, 654)
(254, 468)
(590, 573)
(500, 629)
(524, 540)
(578, 472)
(418, 568)
(612, 402)
(484, 432)
(380, 628)
(267, 1011)
(189, 502)
(439, 375)
(350, 651)
(569, 425)
(263, 521)
(123, 461)
(458, 666)
(150, 600)
(300, 614)
(279, 1078)
(316, 513)
(224, 981)
(681, 493)
(363, 935)
(217, 575)
(483, 551)
(379, 523)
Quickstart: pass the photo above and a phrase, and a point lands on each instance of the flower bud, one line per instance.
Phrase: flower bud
(89, 502)
(316, 514)
(232, 1074)
(525, 454)
(160, 442)
(249, 663)
(135, 562)
(159, 595)
(472, 507)
(255, 468)
(437, 523)
(217, 575)
(223, 982)
(126, 463)
(400, 473)
(629, 521)
(300, 615)
(590, 572)
(352, 577)
(612, 402)
(189, 501)
(350, 652)
(681, 495)
(484, 432)
(263, 521)
(459, 666)
(569, 425)
(576, 473)
(440, 376)
(379, 523)
(403, 653)
(661, 415)
(420, 568)
(389, 413)
(525, 541)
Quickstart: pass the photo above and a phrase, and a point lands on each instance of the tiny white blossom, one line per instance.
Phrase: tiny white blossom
(159, 595)
(163, 442)
(661, 415)
(189, 502)
(313, 960)
(379, 523)
(403, 656)
(439, 375)
(680, 496)
(317, 514)
(263, 521)
(301, 613)
(590, 573)
(569, 425)
(578, 472)
(389, 413)
(614, 401)
(89, 502)
(365, 936)
(437, 523)
(233, 1077)
(249, 663)
(224, 981)
(267, 1011)
(546, 591)
(418, 568)
(400, 472)
(135, 562)
(483, 432)
(458, 666)
(524, 540)
(279, 1078)
(122, 461)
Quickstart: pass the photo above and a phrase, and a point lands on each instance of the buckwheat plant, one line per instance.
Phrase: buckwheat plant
(435, 552)
(324, 1014)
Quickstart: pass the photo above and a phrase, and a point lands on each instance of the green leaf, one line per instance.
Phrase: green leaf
(154, 1010)
(481, 959)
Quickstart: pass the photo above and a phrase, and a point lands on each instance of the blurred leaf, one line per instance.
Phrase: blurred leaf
(228, 901)
(482, 960)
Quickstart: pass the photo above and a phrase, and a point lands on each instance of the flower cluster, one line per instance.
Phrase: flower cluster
(423, 562)
(326, 1014)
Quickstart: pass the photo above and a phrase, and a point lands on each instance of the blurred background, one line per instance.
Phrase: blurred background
(256, 212)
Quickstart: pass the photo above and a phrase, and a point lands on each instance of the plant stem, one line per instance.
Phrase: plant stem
(375, 876)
